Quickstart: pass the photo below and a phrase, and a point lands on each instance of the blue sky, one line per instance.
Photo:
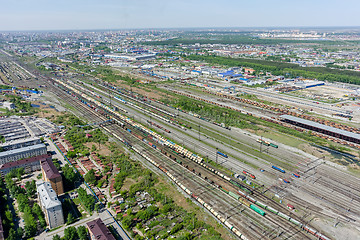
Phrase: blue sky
(118, 14)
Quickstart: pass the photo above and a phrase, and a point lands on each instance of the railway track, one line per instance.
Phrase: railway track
(85, 112)
(208, 191)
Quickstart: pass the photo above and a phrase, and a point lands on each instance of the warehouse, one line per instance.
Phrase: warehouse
(321, 128)
(20, 153)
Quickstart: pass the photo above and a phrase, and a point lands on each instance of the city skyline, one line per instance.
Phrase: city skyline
(140, 14)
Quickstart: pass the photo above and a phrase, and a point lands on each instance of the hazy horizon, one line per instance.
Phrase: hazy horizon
(40, 15)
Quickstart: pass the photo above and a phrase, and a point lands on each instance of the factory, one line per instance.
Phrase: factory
(135, 57)
(321, 128)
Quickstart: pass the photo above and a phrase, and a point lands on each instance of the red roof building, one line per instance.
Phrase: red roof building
(99, 231)
(52, 175)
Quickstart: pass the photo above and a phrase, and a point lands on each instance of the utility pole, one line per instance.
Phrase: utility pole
(110, 97)
(216, 155)
(199, 131)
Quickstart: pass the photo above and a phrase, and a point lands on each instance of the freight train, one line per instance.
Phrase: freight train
(186, 153)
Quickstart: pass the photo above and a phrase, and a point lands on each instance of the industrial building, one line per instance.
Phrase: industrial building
(20, 153)
(50, 204)
(98, 230)
(321, 128)
(29, 164)
(135, 57)
(20, 143)
(52, 175)
(13, 130)
(8, 105)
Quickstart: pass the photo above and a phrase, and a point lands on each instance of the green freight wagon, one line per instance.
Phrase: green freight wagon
(274, 145)
(260, 204)
(234, 195)
(258, 210)
(224, 190)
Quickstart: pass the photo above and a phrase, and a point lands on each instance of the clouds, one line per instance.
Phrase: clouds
(112, 14)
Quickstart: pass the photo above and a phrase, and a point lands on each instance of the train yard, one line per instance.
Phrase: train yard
(204, 188)
(346, 219)
(234, 150)
(282, 231)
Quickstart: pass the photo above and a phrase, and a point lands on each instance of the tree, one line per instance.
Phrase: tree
(56, 163)
(70, 219)
(19, 173)
(12, 173)
(87, 200)
(71, 154)
(23, 201)
(9, 218)
(97, 207)
(70, 233)
(30, 223)
(93, 148)
(30, 187)
(82, 232)
(37, 210)
(20, 233)
(70, 175)
(56, 237)
(12, 235)
(90, 177)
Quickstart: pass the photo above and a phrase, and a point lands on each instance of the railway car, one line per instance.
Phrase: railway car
(237, 233)
(234, 195)
(310, 230)
(295, 222)
(274, 145)
(249, 174)
(260, 204)
(272, 210)
(283, 215)
(296, 175)
(229, 225)
(222, 154)
(201, 201)
(251, 199)
(224, 190)
(321, 236)
(222, 219)
(258, 210)
(279, 169)
(286, 181)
